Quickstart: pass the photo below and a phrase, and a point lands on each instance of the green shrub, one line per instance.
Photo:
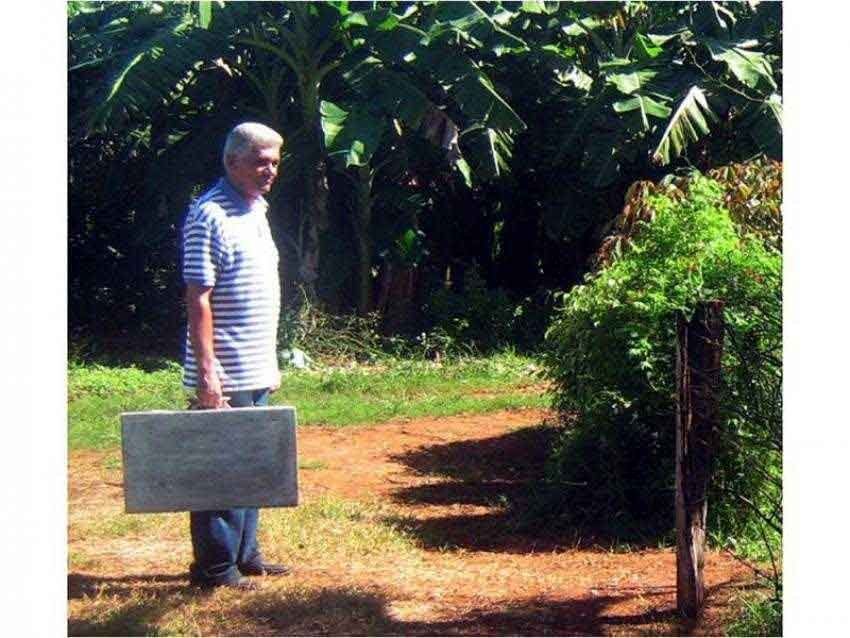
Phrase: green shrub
(476, 316)
(481, 319)
(610, 353)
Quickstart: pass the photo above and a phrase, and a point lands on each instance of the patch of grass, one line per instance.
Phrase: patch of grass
(124, 525)
(312, 465)
(97, 395)
(329, 530)
(753, 542)
(338, 397)
(760, 616)
(79, 560)
(179, 625)
(112, 462)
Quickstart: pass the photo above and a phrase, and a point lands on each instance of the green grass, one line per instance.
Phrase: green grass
(312, 465)
(122, 525)
(98, 394)
(332, 529)
(760, 616)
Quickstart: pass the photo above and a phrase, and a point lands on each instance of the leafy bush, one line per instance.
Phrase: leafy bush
(476, 315)
(752, 192)
(610, 353)
(481, 319)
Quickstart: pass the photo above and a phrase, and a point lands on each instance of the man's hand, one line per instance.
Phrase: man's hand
(209, 391)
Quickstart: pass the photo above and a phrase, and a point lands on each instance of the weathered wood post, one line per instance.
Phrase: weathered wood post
(699, 351)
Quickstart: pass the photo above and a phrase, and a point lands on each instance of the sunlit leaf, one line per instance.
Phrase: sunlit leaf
(204, 13)
(645, 48)
(352, 136)
(645, 106)
(689, 123)
(749, 67)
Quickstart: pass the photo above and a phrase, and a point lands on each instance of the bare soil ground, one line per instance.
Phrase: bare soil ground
(466, 569)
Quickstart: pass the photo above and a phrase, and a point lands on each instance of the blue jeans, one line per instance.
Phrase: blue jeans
(225, 540)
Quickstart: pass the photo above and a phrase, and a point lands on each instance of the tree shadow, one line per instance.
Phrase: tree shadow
(333, 611)
(137, 602)
(519, 455)
(356, 612)
(505, 474)
(137, 605)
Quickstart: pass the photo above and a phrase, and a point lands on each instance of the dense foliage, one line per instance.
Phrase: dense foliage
(611, 355)
(425, 141)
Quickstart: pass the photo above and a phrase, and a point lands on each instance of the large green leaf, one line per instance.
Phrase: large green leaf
(154, 72)
(350, 136)
(398, 43)
(204, 13)
(689, 123)
(589, 111)
(566, 71)
(489, 151)
(480, 102)
(582, 26)
(645, 106)
(389, 90)
(766, 125)
(471, 22)
(749, 67)
(631, 79)
(646, 48)
(533, 6)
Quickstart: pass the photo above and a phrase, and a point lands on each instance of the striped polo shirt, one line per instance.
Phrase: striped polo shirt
(227, 245)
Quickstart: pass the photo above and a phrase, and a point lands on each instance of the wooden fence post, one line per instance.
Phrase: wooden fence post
(699, 351)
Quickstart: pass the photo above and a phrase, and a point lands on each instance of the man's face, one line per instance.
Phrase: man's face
(254, 173)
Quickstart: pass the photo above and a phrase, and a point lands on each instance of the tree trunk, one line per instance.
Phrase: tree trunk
(700, 347)
(361, 223)
(314, 202)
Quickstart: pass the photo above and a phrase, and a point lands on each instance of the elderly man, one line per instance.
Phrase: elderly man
(230, 267)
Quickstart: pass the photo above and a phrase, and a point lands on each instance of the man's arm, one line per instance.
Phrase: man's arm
(201, 334)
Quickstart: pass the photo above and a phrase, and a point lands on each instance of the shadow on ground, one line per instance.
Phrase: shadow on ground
(504, 474)
(345, 613)
(138, 605)
(517, 456)
(134, 604)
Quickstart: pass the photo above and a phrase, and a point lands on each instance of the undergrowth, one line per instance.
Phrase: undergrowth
(759, 616)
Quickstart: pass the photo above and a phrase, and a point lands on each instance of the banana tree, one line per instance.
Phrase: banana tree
(287, 57)
(653, 82)
(628, 91)
(416, 76)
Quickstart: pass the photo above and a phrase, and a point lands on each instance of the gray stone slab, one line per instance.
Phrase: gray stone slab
(209, 459)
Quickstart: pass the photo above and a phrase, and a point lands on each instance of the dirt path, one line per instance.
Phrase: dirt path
(445, 483)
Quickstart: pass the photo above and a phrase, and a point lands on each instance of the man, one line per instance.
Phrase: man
(230, 267)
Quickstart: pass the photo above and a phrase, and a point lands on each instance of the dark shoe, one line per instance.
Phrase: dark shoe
(264, 569)
(242, 584)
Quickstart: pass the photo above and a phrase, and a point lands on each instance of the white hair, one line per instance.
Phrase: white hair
(247, 137)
